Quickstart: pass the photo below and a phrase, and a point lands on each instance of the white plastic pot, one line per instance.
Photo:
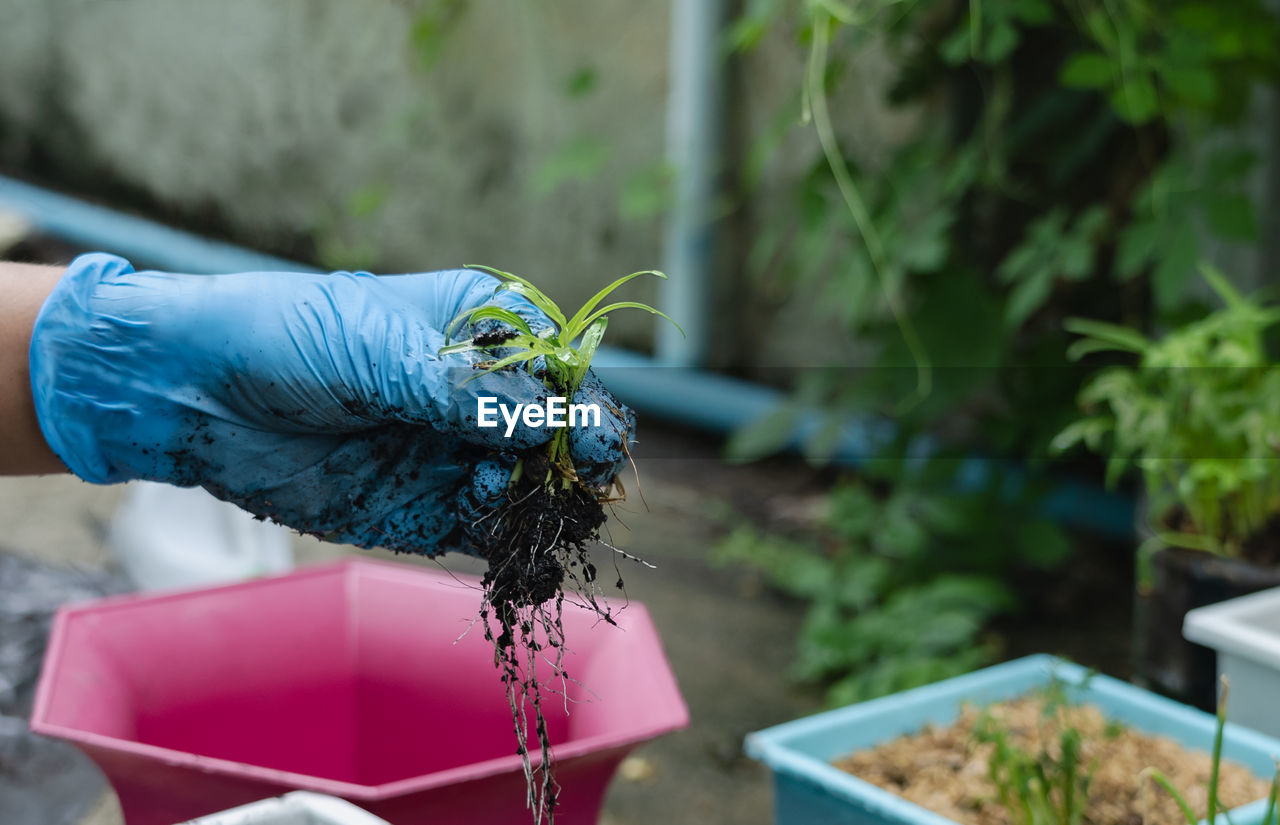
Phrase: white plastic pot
(297, 808)
(166, 537)
(1245, 632)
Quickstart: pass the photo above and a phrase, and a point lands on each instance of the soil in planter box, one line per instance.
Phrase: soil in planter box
(945, 769)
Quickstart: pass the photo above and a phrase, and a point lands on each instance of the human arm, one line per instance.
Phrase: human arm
(23, 450)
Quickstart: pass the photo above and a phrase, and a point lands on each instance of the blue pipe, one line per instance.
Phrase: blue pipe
(156, 245)
(697, 399)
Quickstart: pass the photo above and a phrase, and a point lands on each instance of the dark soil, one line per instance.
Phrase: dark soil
(494, 337)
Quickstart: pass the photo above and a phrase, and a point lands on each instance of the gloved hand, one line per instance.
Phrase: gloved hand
(318, 401)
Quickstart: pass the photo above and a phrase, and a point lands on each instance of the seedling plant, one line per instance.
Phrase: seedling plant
(1051, 786)
(536, 539)
(1215, 805)
(1048, 787)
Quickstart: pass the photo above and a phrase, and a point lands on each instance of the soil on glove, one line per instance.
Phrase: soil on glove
(538, 537)
(945, 769)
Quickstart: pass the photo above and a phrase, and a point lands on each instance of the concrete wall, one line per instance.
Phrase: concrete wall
(298, 125)
(282, 117)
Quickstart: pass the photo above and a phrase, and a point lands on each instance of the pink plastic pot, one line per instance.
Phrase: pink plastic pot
(358, 679)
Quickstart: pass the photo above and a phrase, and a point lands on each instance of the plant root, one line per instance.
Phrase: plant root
(537, 542)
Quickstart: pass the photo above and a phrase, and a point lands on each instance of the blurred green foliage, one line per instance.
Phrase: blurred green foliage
(900, 579)
(1198, 414)
(1065, 168)
(1073, 158)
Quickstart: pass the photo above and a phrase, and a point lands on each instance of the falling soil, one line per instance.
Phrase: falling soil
(537, 543)
(945, 769)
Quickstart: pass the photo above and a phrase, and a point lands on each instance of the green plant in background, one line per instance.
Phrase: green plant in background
(1198, 415)
(1069, 173)
(559, 355)
(1074, 159)
(900, 579)
(340, 234)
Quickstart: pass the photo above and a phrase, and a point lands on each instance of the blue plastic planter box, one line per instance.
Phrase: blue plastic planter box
(808, 790)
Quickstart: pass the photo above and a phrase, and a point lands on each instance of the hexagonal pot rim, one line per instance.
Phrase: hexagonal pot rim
(635, 614)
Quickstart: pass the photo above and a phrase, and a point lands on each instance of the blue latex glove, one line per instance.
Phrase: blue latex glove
(318, 401)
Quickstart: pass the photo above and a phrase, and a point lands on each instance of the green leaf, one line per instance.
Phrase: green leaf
(1122, 338)
(1032, 12)
(580, 159)
(1088, 346)
(1086, 431)
(582, 82)
(579, 320)
(1042, 543)
(1194, 85)
(955, 48)
(1087, 70)
(764, 436)
(525, 287)
(599, 313)
(1231, 163)
(1027, 296)
(1174, 270)
(838, 9)
(1223, 286)
(648, 192)
(1137, 246)
(587, 349)
(1135, 100)
(538, 299)
(367, 200)
(1000, 42)
(430, 29)
(822, 443)
(501, 314)
(1230, 215)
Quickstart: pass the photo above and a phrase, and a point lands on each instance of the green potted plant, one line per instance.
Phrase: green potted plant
(1199, 417)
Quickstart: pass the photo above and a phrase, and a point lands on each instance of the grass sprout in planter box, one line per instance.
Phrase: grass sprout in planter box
(537, 537)
(1036, 741)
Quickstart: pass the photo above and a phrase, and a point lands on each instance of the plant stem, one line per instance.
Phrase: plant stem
(817, 108)
(1163, 781)
(1217, 751)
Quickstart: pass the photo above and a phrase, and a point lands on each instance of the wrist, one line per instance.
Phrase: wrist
(70, 370)
(23, 448)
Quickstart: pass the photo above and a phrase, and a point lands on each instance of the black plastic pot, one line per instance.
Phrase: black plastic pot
(1183, 580)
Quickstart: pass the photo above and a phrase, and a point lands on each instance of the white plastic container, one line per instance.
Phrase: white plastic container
(1245, 632)
(297, 808)
(166, 537)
